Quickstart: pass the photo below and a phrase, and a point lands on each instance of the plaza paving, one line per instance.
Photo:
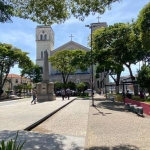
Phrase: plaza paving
(107, 126)
(111, 127)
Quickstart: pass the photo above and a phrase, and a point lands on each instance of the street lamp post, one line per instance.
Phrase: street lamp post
(91, 26)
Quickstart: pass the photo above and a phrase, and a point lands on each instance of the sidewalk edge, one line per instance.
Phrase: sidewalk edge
(29, 128)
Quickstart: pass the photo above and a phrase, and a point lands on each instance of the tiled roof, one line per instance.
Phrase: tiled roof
(14, 76)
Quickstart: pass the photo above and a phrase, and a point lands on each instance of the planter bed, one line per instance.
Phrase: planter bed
(146, 107)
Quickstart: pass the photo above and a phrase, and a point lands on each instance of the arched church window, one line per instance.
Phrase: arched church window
(41, 54)
(45, 37)
(41, 37)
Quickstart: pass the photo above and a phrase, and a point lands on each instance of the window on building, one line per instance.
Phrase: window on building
(41, 37)
(41, 54)
(16, 80)
(45, 37)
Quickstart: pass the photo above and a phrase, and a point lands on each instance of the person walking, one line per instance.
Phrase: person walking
(34, 96)
(63, 94)
(68, 93)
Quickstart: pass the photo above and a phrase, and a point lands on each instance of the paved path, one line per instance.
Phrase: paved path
(111, 127)
(71, 121)
(18, 116)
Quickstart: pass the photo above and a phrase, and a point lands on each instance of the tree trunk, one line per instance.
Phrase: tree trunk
(135, 86)
(117, 81)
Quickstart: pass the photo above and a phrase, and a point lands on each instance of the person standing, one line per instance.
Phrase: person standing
(63, 94)
(68, 93)
(141, 94)
(34, 96)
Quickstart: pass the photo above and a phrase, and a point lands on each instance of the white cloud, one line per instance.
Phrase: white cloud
(18, 37)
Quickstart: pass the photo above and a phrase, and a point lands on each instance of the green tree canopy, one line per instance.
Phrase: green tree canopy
(54, 11)
(9, 56)
(71, 85)
(67, 62)
(6, 11)
(58, 85)
(123, 43)
(81, 86)
(33, 72)
(144, 77)
(143, 23)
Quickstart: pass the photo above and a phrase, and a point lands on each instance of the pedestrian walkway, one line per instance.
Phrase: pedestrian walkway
(71, 121)
(107, 125)
(19, 114)
(111, 127)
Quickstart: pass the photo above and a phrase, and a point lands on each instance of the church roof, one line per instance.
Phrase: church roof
(71, 45)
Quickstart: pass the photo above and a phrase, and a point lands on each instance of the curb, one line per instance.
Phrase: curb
(29, 128)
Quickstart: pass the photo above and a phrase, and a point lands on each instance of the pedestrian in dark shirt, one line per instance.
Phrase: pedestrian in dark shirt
(34, 96)
(141, 94)
(63, 94)
(68, 93)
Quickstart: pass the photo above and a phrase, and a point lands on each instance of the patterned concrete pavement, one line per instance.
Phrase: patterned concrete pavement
(71, 121)
(19, 115)
(111, 127)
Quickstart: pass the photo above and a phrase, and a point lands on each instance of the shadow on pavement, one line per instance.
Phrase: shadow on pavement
(82, 98)
(99, 112)
(119, 147)
(116, 106)
(40, 141)
(99, 99)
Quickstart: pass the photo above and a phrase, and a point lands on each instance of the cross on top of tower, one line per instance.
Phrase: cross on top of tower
(71, 36)
(98, 18)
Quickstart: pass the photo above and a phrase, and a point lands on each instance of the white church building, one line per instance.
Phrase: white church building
(45, 41)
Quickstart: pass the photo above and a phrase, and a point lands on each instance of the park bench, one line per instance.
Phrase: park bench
(134, 108)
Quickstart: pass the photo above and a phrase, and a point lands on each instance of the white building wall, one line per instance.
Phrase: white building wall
(44, 41)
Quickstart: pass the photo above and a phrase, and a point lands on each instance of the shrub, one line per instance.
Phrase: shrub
(11, 145)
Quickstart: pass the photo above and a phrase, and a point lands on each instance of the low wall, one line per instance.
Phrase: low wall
(146, 107)
(116, 97)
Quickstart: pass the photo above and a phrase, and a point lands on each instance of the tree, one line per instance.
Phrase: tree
(143, 23)
(33, 72)
(144, 77)
(6, 11)
(104, 57)
(55, 11)
(9, 56)
(67, 62)
(58, 86)
(22, 87)
(71, 85)
(123, 42)
(81, 86)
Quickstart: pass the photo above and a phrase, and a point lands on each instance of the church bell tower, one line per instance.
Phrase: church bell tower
(44, 41)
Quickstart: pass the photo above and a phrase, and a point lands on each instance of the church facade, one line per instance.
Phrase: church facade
(45, 41)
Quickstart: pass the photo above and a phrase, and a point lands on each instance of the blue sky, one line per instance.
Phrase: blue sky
(21, 33)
